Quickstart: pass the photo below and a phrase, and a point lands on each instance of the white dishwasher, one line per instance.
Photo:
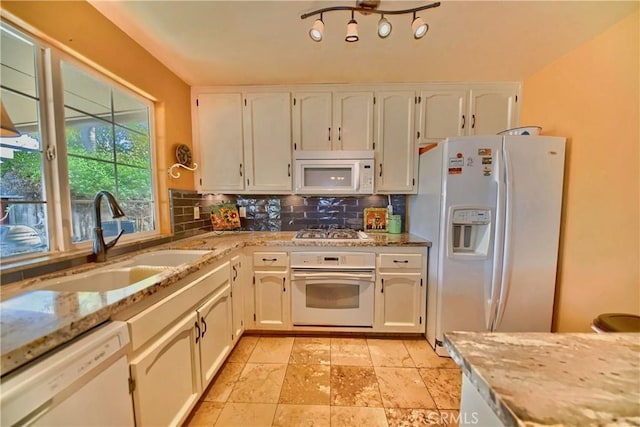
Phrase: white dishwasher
(85, 384)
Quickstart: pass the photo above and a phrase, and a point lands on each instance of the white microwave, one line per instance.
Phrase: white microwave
(334, 172)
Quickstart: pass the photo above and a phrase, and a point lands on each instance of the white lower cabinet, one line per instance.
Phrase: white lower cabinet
(167, 376)
(179, 343)
(399, 299)
(216, 332)
(238, 277)
(272, 290)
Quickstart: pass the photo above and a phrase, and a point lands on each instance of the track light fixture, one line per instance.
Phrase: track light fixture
(352, 30)
(418, 27)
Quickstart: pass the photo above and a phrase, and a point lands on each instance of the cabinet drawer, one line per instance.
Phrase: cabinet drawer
(400, 261)
(270, 259)
(154, 319)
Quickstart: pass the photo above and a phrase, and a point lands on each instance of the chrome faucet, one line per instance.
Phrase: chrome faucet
(99, 246)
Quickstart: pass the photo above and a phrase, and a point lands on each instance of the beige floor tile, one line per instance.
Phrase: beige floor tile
(302, 416)
(444, 385)
(350, 352)
(247, 414)
(204, 414)
(223, 383)
(272, 350)
(306, 385)
(451, 418)
(425, 357)
(343, 416)
(259, 383)
(397, 417)
(243, 349)
(354, 386)
(386, 352)
(403, 388)
(311, 351)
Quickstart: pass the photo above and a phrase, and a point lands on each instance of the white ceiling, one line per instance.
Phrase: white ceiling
(266, 42)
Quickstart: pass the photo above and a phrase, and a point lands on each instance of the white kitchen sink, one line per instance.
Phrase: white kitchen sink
(167, 257)
(103, 280)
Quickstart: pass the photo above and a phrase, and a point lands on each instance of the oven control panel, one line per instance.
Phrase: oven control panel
(350, 260)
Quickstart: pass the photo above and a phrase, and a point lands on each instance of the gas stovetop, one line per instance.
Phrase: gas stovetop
(331, 234)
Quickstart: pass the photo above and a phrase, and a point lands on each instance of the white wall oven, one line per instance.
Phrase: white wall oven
(334, 172)
(332, 288)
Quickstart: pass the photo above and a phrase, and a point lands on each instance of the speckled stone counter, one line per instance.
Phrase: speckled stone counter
(549, 379)
(34, 321)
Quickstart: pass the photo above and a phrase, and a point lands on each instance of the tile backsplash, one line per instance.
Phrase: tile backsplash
(278, 213)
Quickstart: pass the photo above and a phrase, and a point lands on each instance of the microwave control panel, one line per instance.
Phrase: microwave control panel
(366, 177)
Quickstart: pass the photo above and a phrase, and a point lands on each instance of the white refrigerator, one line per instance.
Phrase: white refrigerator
(491, 207)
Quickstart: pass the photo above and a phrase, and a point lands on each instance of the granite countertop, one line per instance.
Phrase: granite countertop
(34, 321)
(551, 379)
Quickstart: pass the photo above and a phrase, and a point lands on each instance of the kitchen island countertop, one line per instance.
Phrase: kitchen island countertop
(34, 321)
(550, 379)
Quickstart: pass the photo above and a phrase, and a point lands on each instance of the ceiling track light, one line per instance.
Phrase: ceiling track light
(418, 27)
(352, 30)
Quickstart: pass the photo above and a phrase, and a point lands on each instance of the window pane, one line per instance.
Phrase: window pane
(132, 148)
(84, 93)
(109, 149)
(88, 136)
(18, 63)
(23, 212)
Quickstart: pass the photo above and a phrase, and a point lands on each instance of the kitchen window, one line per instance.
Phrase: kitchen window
(80, 133)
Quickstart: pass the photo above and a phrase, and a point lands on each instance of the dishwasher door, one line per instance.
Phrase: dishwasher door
(83, 384)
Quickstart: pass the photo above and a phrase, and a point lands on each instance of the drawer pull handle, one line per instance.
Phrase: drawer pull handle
(197, 332)
(331, 258)
(283, 288)
(382, 287)
(235, 273)
(269, 259)
(403, 261)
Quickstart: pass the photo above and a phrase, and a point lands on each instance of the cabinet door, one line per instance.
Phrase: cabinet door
(312, 121)
(442, 114)
(215, 319)
(272, 300)
(218, 129)
(398, 302)
(353, 121)
(492, 110)
(167, 376)
(237, 296)
(267, 140)
(396, 154)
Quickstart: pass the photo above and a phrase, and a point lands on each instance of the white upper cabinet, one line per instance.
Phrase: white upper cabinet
(312, 121)
(267, 142)
(353, 120)
(442, 113)
(218, 149)
(333, 121)
(396, 152)
(492, 110)
(461, 110)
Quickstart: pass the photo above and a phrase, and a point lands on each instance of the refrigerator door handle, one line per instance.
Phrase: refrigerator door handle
(507, 262)
(496, 275)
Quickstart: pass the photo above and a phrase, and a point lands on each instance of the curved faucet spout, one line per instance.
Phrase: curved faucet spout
(99, 246)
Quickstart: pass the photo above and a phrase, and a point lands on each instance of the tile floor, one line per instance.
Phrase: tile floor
(331, 381)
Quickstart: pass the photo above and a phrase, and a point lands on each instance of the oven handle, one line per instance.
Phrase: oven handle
(336, 275)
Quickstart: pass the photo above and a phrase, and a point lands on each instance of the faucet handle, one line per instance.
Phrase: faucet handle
(114, 241)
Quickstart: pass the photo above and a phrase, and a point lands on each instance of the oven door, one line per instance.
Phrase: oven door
(332, 298)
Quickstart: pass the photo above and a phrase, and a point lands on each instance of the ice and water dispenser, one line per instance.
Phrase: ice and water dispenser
(469, 232)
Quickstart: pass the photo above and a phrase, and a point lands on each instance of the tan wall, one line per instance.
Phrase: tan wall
(80, 27)
(591, 95)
